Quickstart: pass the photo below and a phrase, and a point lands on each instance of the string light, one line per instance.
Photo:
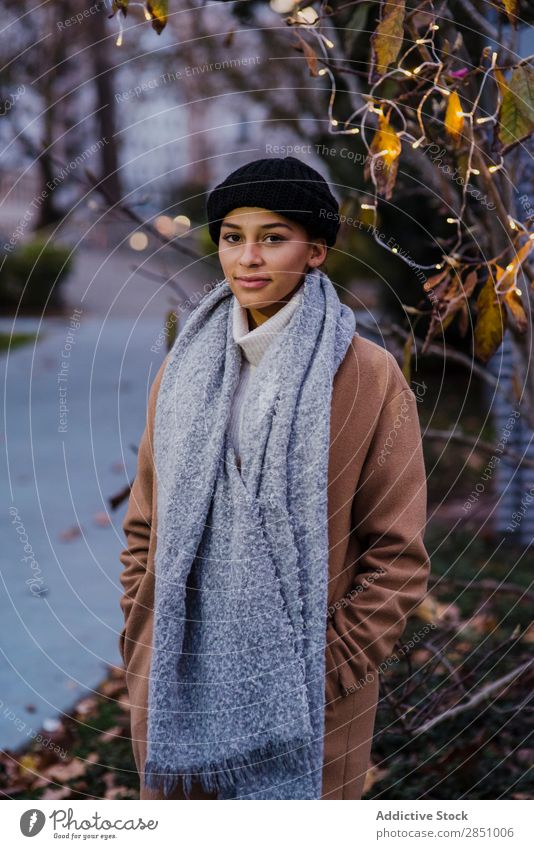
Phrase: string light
(322, 72)
(434, 26)
(474, 171)
(372, 206)
(334, 122)
(494, 168)
(418, 142)
(452, 220)
(510, 266)
(484, 120)
(513, 225)
(438, 265)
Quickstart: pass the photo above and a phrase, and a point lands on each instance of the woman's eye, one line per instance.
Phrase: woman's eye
(230, 236)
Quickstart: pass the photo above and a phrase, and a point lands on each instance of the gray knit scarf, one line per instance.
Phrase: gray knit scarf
(236, 691)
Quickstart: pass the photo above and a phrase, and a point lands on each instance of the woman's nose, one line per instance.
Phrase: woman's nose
(251, 253)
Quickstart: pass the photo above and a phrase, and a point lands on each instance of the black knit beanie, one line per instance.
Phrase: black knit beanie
(287, 186)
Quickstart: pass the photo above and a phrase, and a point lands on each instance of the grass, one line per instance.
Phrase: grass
(16, 340)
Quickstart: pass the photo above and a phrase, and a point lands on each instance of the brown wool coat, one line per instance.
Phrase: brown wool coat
(378, 564)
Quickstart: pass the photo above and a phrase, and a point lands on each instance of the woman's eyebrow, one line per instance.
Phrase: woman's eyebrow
(262, 226)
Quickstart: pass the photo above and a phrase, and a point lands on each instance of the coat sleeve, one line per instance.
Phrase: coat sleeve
(137, 523)
(389, 518)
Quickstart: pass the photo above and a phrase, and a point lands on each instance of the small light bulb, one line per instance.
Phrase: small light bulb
(367, 206)
(394, 250)
(334, 122)
(328, 42)
(475, 171)
(355, 130)
(119, 40)
(452, 220)
(438, 265)
(434, 26)
(510, 266)
(322, 72)
(517, 291)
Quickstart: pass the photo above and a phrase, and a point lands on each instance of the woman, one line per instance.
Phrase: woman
(289, 485)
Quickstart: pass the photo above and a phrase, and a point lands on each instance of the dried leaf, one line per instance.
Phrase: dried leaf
(65, 772)
(374, 774)
(111, 734)
(469, 284)
(310, 56)
(432, 282)
(70, 533)
(56, 793)
(514, 303)
(387, 39)
(454, 120)
(463, 322)
(491, 322)
(102, 519)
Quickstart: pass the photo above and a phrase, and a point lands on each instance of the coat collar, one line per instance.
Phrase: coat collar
(255, 342)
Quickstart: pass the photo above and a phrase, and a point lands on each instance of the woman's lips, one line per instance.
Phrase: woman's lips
(252, 282)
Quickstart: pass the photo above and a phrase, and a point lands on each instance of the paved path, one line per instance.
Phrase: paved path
(55, 643)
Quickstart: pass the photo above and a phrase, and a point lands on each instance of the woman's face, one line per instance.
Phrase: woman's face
(264, 256)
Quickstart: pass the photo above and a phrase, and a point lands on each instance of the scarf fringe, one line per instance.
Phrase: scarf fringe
(222, 776)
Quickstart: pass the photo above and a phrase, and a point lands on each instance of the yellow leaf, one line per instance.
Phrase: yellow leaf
(407, 358)
(516, 117)
(120, 4)
(158, 10)
(491, 321)
(387, 39)
(385, 149)
(511, 10)
(454, 120)
(29, 762)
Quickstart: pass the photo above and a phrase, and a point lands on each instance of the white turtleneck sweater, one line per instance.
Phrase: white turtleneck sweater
(253, 344)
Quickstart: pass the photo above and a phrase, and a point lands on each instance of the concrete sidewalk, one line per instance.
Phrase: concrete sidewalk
(60, 612)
